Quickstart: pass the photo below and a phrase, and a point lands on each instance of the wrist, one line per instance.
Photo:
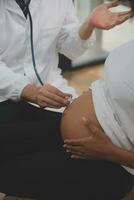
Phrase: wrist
(90, 24)
(113, 154)
(30, 92)
(86, 30)
(121, 156)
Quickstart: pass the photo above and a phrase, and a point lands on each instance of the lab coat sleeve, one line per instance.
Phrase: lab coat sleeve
(11, 83)
(69, 42)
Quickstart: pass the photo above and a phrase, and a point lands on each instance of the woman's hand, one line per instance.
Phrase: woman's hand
(46, 96)
(103, 18)
(96, 146)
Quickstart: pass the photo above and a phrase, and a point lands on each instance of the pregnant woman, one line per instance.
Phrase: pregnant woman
(109, 107)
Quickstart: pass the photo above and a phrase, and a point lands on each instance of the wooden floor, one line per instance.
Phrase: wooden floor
(81, 80)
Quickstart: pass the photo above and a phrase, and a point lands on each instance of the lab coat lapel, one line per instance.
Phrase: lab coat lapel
(13, 7)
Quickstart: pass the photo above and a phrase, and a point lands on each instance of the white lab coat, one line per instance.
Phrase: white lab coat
(55, 30)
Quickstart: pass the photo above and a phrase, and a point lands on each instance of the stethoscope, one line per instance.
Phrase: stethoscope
(31, 41)
(32, 47)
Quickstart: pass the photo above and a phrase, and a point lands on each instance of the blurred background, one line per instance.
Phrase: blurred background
(89, 67)
(105, 40)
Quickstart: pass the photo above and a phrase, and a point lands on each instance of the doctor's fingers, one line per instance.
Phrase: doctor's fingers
(124, 13)
(55, 98)
(46, 102)
(54, 90)
(112, 4)
(123, 19)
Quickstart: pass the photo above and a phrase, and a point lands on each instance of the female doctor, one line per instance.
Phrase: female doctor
(31, 157)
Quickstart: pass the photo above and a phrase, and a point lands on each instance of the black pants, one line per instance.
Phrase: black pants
(33, 162)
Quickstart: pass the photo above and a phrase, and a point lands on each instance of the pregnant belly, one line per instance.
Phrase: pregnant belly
(72, 126)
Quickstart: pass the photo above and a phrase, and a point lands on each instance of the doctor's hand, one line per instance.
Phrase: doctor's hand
(103, 18)
(45, 96)
(96, 146)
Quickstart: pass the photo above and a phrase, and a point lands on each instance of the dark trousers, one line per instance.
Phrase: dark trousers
(33, 162)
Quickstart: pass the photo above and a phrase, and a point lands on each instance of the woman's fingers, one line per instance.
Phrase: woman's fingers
(78, 153)
(90, 125)
(77, 157)
(73, 148)
(93, 129)
(75, 152)
(75, 142)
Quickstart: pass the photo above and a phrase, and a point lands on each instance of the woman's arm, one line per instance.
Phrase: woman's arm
(98, 146)
(122, 156)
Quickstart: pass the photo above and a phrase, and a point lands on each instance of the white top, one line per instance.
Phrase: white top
(113, 97)
(55, 30)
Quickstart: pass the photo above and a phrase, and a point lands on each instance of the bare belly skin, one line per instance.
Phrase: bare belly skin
(72, 126)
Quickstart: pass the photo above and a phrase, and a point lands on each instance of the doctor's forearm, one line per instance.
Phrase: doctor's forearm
(122, 156)
(85, 30)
